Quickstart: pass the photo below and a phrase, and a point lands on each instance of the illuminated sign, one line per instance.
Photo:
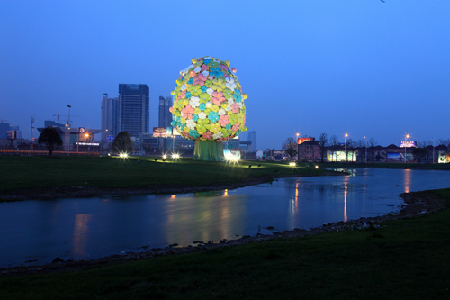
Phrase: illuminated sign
(408, 144)
(340, 156)
(81, 129)
(88, 144)
(11, 135)
(110, 138)
(232, 154)
(301, 140)
(162, 131)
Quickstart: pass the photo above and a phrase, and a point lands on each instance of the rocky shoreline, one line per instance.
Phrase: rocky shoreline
(415, 203)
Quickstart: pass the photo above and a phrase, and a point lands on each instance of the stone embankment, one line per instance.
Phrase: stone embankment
(415, 204)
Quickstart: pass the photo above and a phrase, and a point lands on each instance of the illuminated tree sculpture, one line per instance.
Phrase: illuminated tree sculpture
(208, 106)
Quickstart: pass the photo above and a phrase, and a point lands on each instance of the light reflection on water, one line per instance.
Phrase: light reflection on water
(42, 230)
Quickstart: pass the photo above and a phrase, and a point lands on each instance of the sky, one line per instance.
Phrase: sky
(362, 67)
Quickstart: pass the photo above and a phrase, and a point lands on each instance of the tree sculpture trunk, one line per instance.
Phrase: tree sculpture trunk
(208, 150)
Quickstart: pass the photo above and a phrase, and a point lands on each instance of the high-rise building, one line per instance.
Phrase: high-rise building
(4, 127)
(164, 115)
(134, 109)
(18, 132)
(252, 137)
(110, 116)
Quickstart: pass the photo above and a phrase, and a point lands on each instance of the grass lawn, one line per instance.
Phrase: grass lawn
(35, 172)
(405, 259)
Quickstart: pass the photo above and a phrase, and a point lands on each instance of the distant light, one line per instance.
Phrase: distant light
(164, 156)
(317, 167)
(176, 156)
(292, 164)
(123, 155)
(109, 154)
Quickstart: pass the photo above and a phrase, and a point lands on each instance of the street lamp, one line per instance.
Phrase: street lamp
(407, 137)
(68, 128)
(346, 135)
(68, 138)
(298, 154)
(365, 150)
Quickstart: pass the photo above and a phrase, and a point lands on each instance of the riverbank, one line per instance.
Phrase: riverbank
(28, 178)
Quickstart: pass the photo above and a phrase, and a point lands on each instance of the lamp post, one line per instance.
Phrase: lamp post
(433, 150)
(173, 141)
(68, 138)
(298, 154)
(86, 140)
(407, 137)
(365, 150)
(68, 128)
(346, 135)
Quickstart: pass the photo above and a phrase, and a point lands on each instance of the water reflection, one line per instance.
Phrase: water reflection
(80, 234)
(210, 217)
(345, 203)
(407, 179)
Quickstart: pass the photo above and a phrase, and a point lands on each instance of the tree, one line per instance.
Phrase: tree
(122, 143)
(372, 144)
(323, 142)
(334, 143)
(350, 146)
(361, 145)
(291, 147)
(50, 138)
(420, 153)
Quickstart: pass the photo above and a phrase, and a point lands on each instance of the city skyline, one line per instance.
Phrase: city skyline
(365, 68)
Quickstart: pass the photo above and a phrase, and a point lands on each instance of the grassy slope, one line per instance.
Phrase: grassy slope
(25, 172)
(406, 259)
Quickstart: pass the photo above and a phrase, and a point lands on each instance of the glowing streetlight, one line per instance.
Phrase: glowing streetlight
(407, 137)
(68, 128)
(346, 135)
(365, 150)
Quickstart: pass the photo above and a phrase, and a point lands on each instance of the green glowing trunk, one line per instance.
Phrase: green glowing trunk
(208, 150)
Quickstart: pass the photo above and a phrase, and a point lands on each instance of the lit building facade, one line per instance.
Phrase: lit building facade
(134, 109)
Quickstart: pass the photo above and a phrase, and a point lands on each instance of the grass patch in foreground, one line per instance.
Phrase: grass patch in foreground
(31, 172)
(406, 259)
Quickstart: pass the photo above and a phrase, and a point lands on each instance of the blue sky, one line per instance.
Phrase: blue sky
(364, 67)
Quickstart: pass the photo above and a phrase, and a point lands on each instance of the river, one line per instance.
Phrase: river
(35, 232)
